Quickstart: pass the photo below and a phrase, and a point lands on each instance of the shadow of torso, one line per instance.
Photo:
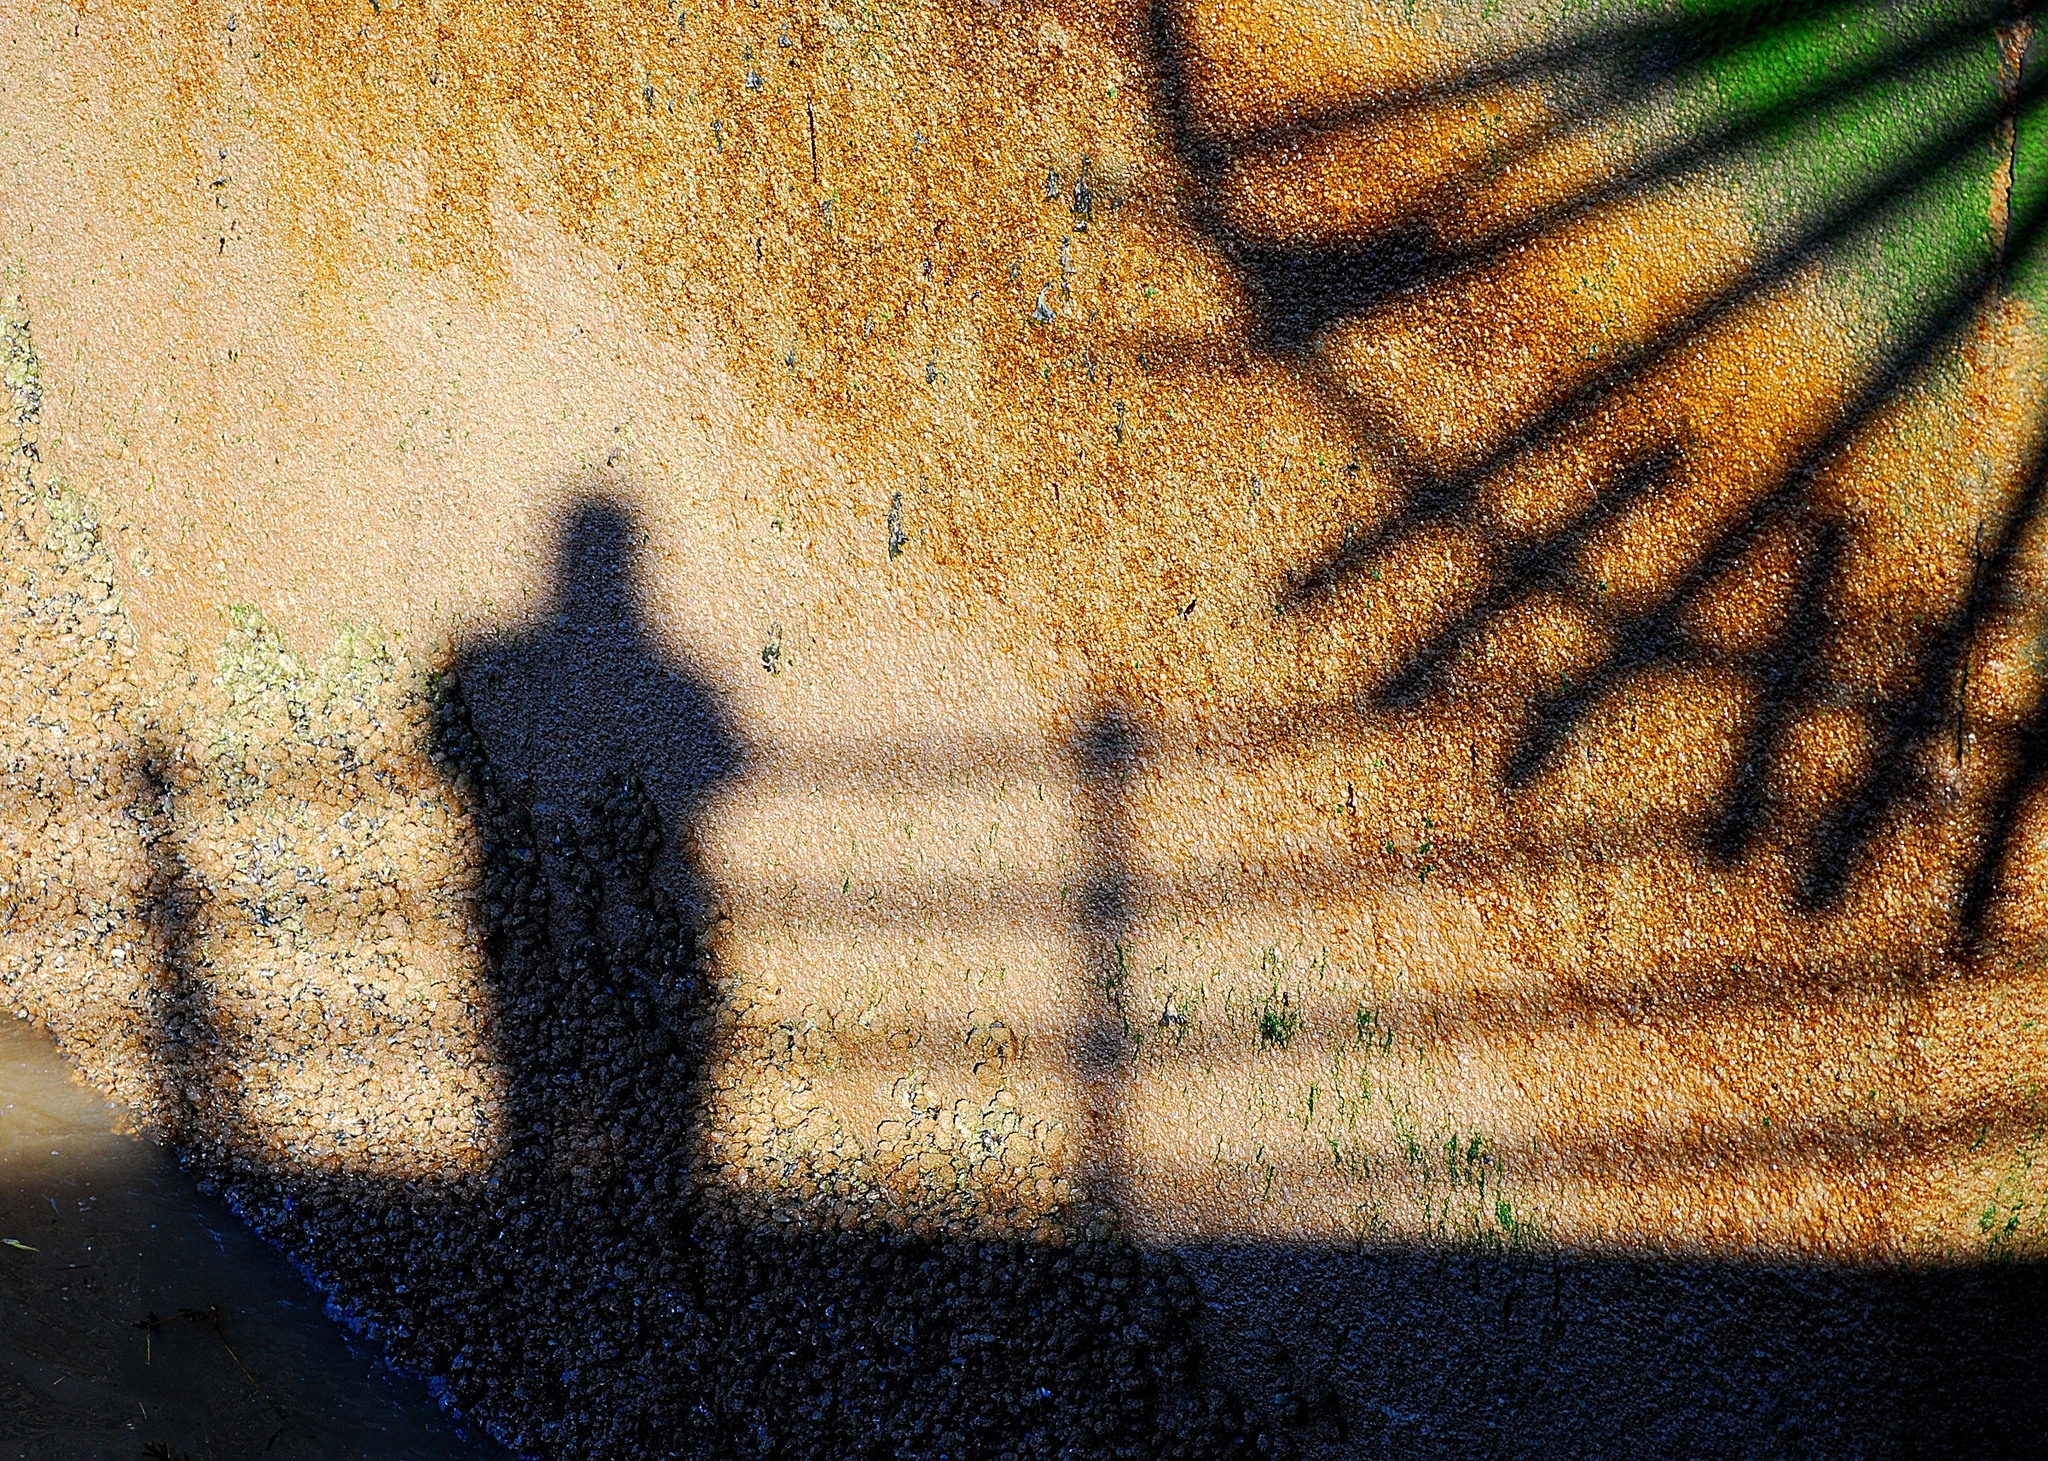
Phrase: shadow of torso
(588, 1295)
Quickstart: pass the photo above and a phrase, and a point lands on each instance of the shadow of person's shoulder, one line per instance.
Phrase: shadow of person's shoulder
(584, 691)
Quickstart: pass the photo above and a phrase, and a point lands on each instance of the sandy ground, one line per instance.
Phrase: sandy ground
(664, 654)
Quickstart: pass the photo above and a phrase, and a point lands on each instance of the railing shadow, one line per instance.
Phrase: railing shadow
(1303, 285)
(590, 1293)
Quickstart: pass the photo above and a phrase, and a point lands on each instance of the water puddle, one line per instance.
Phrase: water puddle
(139, 1319)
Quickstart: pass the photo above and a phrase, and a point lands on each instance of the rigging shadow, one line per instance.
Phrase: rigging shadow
(1307, 280)
(1676, 1357)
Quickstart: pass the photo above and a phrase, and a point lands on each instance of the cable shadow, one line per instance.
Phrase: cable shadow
(1303, 287)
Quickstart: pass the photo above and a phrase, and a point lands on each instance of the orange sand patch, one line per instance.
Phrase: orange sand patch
(1477, 962)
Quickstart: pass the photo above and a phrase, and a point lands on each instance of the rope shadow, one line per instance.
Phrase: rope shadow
(1300, 292)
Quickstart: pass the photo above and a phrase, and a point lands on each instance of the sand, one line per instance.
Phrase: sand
(1221, 688)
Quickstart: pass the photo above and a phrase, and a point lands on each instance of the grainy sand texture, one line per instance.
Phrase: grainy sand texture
(1039, 730)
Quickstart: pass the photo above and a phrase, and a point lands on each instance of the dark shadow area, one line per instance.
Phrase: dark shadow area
(589, 1298)
(138, 1313)
(1299, 291)
(1450, 1353)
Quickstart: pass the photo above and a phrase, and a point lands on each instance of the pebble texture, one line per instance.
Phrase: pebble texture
(1248, 634)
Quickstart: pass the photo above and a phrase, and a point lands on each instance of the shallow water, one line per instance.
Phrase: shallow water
(137, 1313)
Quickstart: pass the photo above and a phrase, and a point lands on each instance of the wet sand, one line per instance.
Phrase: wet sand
(141, 1314)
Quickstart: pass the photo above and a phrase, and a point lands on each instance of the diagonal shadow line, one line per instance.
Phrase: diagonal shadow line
(1659, 624)
(1531, 566)
(1702, 146)
(1789, 684)
(1301, 289)
(1916, 717)
(1655, 634)
(1659, 633)
(2029, 770)
(1696, 42)
(1701, 149)
(1428, 496)
(1659, 637)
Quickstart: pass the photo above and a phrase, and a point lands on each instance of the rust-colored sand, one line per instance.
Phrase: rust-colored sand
(924, 362)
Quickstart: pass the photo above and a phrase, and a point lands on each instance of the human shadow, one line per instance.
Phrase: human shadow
(587, 695)
(591, 1295)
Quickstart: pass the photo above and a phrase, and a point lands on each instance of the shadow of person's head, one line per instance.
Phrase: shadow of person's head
(598, 578)
(587, 692)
